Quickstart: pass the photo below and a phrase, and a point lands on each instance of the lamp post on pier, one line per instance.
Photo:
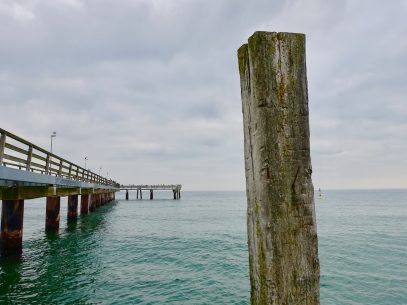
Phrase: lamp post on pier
(53, 135)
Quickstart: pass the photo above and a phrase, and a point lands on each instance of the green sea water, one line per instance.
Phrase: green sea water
(194, 251)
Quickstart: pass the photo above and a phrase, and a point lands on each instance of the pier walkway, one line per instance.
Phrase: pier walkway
(28, 171)
(175, 188)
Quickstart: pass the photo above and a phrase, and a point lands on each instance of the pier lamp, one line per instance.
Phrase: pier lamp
(86, 158)
(53, 135)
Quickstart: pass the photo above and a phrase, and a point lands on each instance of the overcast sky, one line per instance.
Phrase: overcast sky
(149, 89)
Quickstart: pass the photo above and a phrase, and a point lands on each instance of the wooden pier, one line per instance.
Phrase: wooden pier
(175, 188)
(27, 172)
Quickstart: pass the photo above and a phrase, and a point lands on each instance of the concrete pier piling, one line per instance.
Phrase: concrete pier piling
(72, 207)
(127, 195)
(85, 200)
(12, 218)
(282, 235)
(151, 195)
(52, 213)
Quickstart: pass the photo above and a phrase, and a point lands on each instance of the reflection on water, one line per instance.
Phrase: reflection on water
(53, 261)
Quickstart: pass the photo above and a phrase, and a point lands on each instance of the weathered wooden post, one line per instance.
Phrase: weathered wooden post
(97, 200)
(72, 207)
(52, 213)
(137, 194)
(85, 199)
(127, 194)
(92, 207)
(151, 195)
(12, 218)
(282, 233)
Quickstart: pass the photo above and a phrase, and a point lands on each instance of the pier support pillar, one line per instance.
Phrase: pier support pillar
(12, 216)
(72, 207)
(52, 213)
(141, 194)
(127, 194)
(92, 207)
(137, 194)
(85, 204)
(282, 232)
(175, 194)
(151, 195)
(97, 200)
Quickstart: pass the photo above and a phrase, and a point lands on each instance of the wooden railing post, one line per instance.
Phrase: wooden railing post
(29, 157)
(47, 164)
(2, 144)
(60, 168)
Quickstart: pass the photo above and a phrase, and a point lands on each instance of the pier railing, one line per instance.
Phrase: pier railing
(151, 187)
(18, 153)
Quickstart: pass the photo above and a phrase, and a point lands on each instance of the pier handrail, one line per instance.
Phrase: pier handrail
(30, 159)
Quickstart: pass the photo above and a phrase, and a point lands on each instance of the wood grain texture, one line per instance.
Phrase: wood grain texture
(282, 232)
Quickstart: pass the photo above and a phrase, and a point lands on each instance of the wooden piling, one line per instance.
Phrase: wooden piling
(92, 207)
(72, 207)
(85, 199)
(282, 235)
(97, 200)
(12, 218)
(151, 195)
(127, 194)
(52, 213)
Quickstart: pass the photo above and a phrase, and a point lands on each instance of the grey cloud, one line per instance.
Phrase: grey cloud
(149, 90)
